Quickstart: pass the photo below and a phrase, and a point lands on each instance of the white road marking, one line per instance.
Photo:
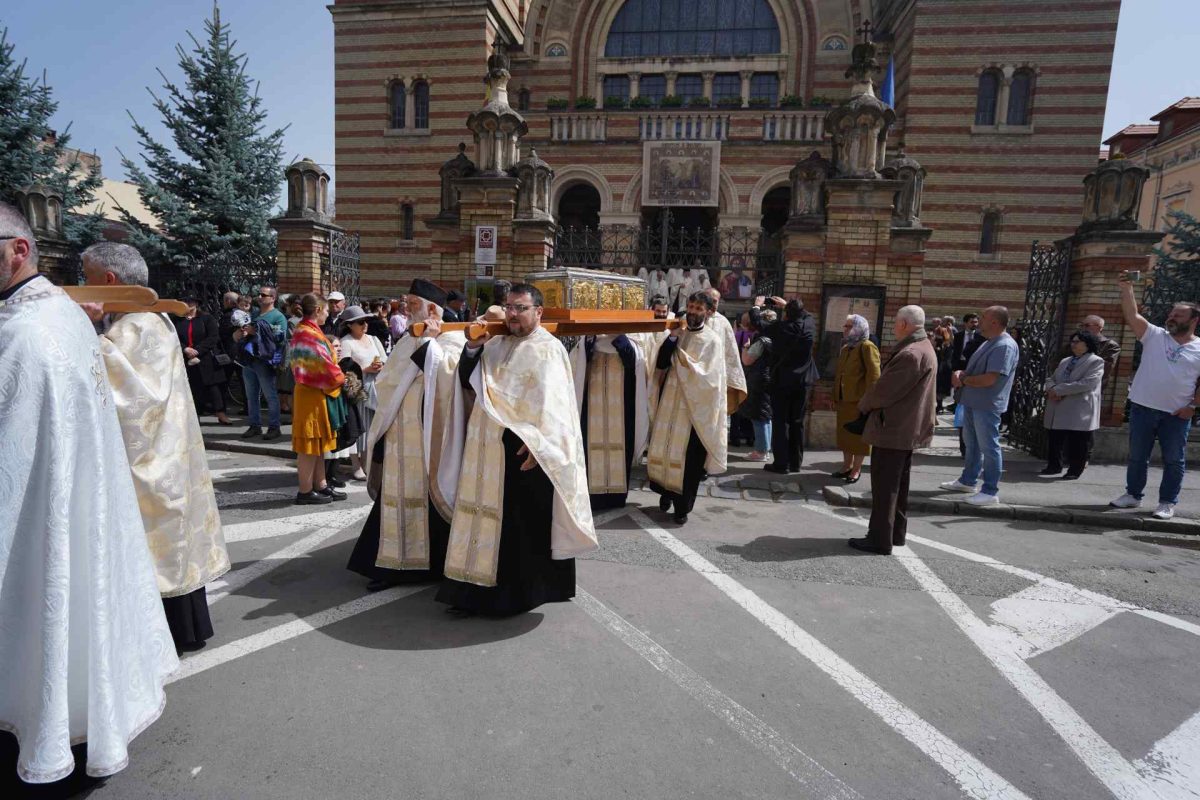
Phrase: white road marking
(227, 473)
(605, 517)
(1042, 620)
(1172, 765)
(973, 776)
(818, 781)
(232, 581)
(1001, 647)
(337, 518)
(207, 659)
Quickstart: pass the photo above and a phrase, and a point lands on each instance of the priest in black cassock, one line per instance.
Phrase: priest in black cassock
(404, 539)
(688, 400)
(610, 387)
(514, 472)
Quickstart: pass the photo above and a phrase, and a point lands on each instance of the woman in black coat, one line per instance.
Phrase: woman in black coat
(199, 337)
(756, 363)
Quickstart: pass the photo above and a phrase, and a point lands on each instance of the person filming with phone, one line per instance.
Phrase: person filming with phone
(1162, 398)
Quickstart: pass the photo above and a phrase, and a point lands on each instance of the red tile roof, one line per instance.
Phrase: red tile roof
(1186, 104)
(1137, 129)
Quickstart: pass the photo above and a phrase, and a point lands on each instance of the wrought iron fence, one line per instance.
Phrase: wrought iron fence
(208, 277)
(1041, 337)
(340, 270)
(627, 249)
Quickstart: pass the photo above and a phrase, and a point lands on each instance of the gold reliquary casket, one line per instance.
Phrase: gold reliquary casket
(575, 288)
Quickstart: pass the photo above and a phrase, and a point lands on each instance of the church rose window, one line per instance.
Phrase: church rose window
(693, 27)
(985, 104)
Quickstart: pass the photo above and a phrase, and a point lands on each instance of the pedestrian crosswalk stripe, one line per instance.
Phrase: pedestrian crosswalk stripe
(232, 581)
(818, 781)
(973, 776)
(207, 659)
(337, 518)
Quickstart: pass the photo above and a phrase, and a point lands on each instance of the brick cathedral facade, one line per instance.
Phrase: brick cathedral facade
(1001, 102)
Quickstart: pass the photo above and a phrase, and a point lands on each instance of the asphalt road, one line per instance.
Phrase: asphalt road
(750, 654)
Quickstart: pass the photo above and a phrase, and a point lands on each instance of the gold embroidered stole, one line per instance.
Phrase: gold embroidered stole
(669, 438)
(473, 554)
(404, 519)
(606, 424)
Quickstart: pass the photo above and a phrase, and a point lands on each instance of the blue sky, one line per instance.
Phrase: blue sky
(102, 61)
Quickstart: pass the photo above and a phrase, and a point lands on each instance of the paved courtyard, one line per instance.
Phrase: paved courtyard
(750, 654)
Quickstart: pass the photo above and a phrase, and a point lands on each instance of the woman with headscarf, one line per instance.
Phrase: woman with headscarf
(1073, 407)
(857, 370)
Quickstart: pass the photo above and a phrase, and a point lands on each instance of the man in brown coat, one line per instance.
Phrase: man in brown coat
(901, 418)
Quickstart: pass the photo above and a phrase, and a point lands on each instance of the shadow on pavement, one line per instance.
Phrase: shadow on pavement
(784, 548)
(77, 784)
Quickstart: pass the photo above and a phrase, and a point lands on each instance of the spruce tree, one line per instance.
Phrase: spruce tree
(1177, 271)
(214, 190)
(29, 155)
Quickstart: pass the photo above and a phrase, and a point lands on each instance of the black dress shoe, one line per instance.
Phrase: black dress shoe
(272, 434)
(849, 480)
(312, 499)
(865, 545)
(1071, 476)
(680, 519)
(334, 481)
(664, 503)
(251, 432)
(776, 468)
(1048, 471)
(332, 493)
(379, 584)
(840, 474)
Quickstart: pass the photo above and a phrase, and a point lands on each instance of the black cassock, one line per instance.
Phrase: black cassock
(526, 575)
(624, 348)
(366, 549)
(188, 619)
(693, 461)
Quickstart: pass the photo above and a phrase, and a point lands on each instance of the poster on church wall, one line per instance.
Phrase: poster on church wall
(837, 303)
(681, 173)
(485, 245)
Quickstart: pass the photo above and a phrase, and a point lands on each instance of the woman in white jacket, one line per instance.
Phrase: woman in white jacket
(1073, 407)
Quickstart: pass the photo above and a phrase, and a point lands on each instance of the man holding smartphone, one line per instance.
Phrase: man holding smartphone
(1162, 398)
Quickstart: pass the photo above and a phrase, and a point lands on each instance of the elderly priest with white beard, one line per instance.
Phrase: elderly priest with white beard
(514, 472)
(404, 539)
(154, 404)
(688, 404)
(84, 646)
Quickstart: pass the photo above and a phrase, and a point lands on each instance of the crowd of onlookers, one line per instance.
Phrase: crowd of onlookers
(252, 343)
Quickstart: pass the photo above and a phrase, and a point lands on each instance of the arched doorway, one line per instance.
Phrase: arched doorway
(579, 207)
(776, 207)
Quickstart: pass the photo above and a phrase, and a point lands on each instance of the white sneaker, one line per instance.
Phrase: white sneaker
(981, 499)
(1126, 501)
(1164, 511)
(956, 486)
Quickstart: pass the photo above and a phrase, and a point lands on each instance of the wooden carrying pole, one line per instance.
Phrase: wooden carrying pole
(594, 327)
(126, 299)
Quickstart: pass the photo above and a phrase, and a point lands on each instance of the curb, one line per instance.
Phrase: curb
(248, 448)
(838, 496)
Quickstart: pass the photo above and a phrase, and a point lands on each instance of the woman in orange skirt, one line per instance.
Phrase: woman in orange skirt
(317, 377)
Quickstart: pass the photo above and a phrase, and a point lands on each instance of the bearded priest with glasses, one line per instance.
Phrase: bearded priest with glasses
(513, 469)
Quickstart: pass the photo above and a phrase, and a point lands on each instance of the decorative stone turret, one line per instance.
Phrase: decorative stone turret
(308, 191)
(42, 207)
(859, 126)
(808, 192)
(533, 195)
(455, 169)
(497, 127)
(1112, 196)
(907, 210)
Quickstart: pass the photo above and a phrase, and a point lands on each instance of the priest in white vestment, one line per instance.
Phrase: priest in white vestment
(514, 472)
(84, 646)
(164, 446)
(687, 437)
(404, 539)
(611, 391)
(735, 377)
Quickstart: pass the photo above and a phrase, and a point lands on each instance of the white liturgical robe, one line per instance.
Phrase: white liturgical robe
(84, 643)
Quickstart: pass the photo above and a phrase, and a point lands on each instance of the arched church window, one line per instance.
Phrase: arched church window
(989, 233)
(834, 43)
(407, 222)
(396, 100)
(556, 50)
(985, 102)
(420, 105)
(693, 27)
(1020, 98)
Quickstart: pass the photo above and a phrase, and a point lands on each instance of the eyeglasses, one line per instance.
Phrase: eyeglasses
(519, 309)
(265, 294)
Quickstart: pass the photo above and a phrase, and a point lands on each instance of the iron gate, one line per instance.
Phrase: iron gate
(626, 249)
(1041, 340)
(210, 276)
(340, 270)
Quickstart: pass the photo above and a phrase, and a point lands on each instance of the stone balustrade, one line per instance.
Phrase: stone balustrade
(793, 126)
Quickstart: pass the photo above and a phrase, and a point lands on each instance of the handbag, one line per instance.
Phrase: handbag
(960, 415)
(222, 359)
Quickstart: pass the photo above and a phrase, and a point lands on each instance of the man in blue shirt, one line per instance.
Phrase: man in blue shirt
(986, 384)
